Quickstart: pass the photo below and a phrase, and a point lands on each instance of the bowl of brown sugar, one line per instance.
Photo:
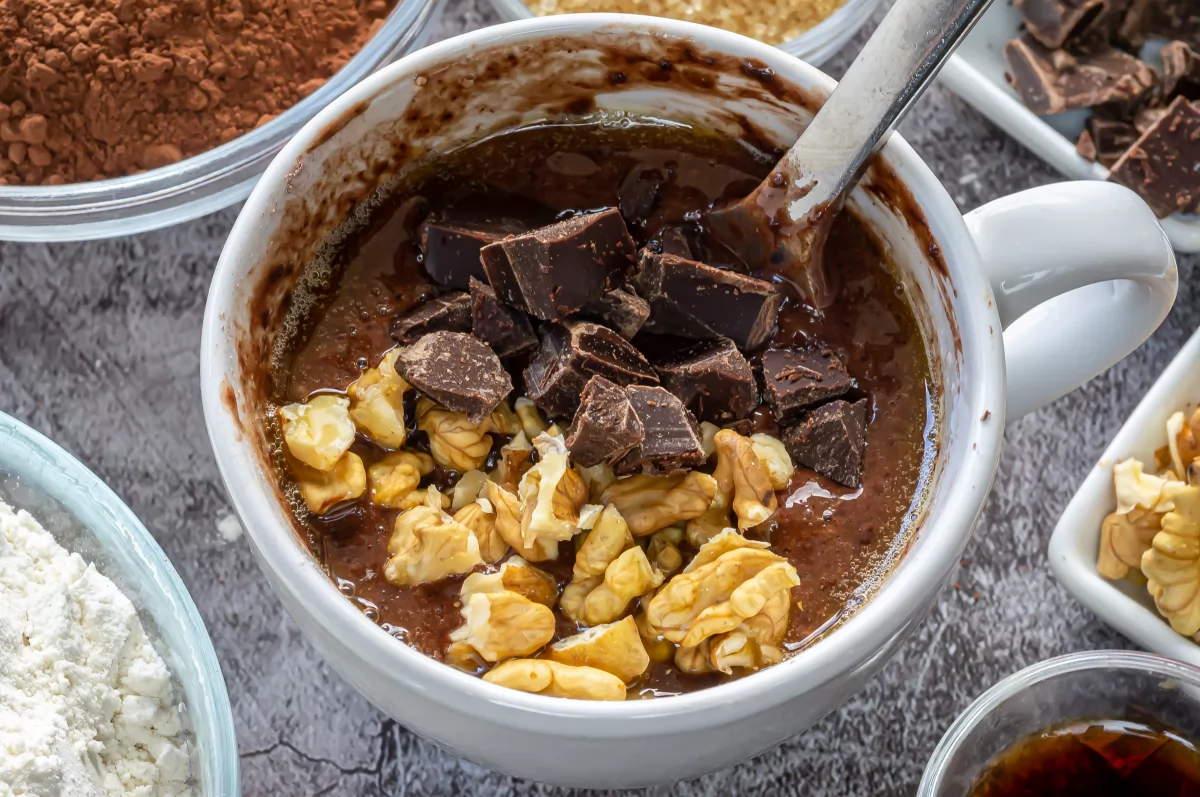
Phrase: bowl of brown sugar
(122, 116)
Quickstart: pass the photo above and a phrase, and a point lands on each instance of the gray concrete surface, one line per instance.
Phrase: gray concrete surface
(99, 349)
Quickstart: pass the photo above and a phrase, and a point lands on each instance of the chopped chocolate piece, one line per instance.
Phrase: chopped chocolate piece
(1181, 71)
(620, 309)
(713, 380)
(1085, 147)
(1145, 119)
(1162, 19)
(574, 352)
(456, 370)
(605, 426)
(1053, 22)
(450, 312)
(693, 300)
(1112, 138)
(832, 440)
(1051, 82)
(672, 436)
(553, 271)
(744, 427)
(506, 329)
(675, 241)
(638, 192)
(1162, 166)
(794, 379)
(451, 251)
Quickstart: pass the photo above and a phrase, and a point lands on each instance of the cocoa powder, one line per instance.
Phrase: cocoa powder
(91, 89)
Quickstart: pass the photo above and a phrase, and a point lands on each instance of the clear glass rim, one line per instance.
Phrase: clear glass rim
(1021, 680)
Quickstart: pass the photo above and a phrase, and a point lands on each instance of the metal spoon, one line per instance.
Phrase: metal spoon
(784, 222)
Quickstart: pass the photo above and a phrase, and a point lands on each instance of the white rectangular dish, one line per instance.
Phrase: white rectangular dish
(976, 73)
(1076, 539)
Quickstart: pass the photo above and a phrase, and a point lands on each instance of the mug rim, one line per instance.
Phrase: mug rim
(913, 582)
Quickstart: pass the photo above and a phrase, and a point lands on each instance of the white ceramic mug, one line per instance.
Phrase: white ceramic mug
(988, 292)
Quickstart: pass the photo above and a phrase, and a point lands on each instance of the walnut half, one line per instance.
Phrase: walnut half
(428, 545)
(454, 442)
(501, 625)
(614, 647)
(1172, 565)
(553, 679)
(649, 503)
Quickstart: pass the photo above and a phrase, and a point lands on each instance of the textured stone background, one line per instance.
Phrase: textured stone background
(100, 351)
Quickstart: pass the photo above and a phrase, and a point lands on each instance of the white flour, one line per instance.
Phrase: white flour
(86, 704)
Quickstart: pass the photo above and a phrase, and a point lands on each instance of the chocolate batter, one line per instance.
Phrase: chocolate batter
(841, 541)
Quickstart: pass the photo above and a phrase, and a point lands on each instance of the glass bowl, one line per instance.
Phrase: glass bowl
(815, 46)
(1111, 684)
(204, 183)
(88, 518)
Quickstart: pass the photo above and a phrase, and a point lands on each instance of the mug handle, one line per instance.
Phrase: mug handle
(1082, 274)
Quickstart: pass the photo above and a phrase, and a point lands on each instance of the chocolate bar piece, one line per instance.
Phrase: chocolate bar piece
(1181, 71)
(1162, 166)
(456, 370)
(620, 309)
(674, 240)
(832, 440)
(1112, 137)
(638, 193)
(1162, 19)
(506, 329)
(672, 435)
(692, 300)
(1085, 147)
(794, 379)
(1145, 119)
(450, 312)
(574, 352)
(553, 271)
(451, 250)
(713, 380)
(1053, 81)
(1053, 22)
(605, 426)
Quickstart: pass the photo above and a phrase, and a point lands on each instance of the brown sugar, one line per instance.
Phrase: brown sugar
(91, 89)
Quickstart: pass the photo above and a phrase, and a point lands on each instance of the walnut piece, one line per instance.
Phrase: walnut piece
(1182, 440)
(508, 525)
(613, 647)
(1135, 488)
(1172, 565)
(553, 679)
(597, 478)
(515, 575)
(693, 660)
(480, 518)
(663, 549)
(600, 548)
(742, 476)
(319, 431)
(324, 489)
(649, 503)
(1123, 540)
(396, 476)
(468, 488)
(454, 442)
(377, 403)
(773, 456)
(739, 649)
(552, 495)
(515, 459)
(504, 421)
(530, 417)
(428, 545)
(630, 576)
(502, 625)
(714, 520)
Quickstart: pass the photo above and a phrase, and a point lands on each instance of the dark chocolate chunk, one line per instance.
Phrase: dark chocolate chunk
(451, 251)
(832, 440)
(605, 426)
(1053, 81)
(672, 436)
(638, 193)
(1085, 147)
(1162, 166)
(1145, 119)
(744, 427)
(1162, 19)
(794, 379)
(1112, 137)
(713, 380)
(450, 312)
(1181, 71)
(620, 309)
(553, 271)
(693, 300)
(674, 240)
(506, 329)
(458, 371)
(574, 352)
(1054, 22)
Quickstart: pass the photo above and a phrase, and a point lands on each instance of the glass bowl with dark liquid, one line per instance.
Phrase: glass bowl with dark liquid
(1101, 723)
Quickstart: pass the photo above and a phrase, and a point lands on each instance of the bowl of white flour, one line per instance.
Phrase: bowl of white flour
(109, 686)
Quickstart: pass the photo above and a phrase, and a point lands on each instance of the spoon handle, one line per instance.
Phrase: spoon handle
(892, 71)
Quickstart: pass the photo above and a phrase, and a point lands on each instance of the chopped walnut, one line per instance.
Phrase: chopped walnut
(629, 577)
(574, 597)
(468, 488)
(463, 657)
(530, 417)
(693, 660)
(319, 431)
(515, 575)
(1136, 488)
(454, 442)
(502, 625)
(396, 476)
(600, 548)
(324, 489)
(1172, 565)
(738, 648)
(553, 679)
(481, 520)
(663, 549)
(727, 540)
(516, 457)
(742, 476)
(597, 478)
(773, 456)
(504, 421)
(428, 545)
(552, 495)
(426, 496)
(657, 647)
(613, 647)
(377, 403)
(1182, 440)
(1123, 540)
(708, 434)
(649, 503)
(508, 525)
(714, 520)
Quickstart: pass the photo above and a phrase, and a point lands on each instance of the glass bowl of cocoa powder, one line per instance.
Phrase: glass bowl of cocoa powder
(114, 123)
